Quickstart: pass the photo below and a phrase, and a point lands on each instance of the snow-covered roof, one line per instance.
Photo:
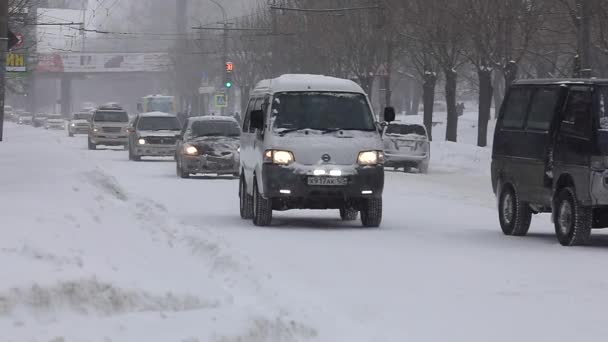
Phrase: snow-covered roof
(303, 82)
(156, 114)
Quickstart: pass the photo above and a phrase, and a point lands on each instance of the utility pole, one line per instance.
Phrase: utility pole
(182, 20)
(3, 52)
(584, 38)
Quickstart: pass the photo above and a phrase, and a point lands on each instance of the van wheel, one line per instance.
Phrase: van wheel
(371, 214)
(514, 215)
(262, 208)
(92, 146)
(70, 134)
(348, 214)
(423, 167)
(573, 222)
(245, 201)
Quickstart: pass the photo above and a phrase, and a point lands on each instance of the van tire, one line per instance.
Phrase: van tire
(423, 167)
(91, 145)
(573, 222)
(514, 214)
(371, 213)
(70, 134)
(133, 156)
(349, 214)
(245, 201)
(262, 208)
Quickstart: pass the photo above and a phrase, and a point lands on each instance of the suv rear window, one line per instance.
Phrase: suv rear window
(405, 129)
(516, 107)
(542, 108)
(103, 116)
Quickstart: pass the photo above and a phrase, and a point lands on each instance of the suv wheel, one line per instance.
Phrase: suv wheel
(133, 156)
(423, 167)
(262, 208)
(245, 201)
(514, 215)
(371, 214)
(70, 134)
(180, 171)
(91, 145)
(349, 214)
(573, 222)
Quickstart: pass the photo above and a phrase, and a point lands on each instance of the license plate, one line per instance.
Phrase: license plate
(327, 181)
(407, 144)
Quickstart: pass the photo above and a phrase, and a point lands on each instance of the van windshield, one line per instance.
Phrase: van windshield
(603, 106)
(321, 111)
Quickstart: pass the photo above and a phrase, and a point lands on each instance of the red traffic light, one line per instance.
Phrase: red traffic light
(229, 66)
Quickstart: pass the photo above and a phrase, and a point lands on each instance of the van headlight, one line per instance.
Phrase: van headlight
(278, 157)
(141, 141)
(367, 158)
(190, 150)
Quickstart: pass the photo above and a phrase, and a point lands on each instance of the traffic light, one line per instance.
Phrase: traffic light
(228, 78)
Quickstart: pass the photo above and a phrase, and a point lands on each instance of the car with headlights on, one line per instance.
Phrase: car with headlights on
(311, 142)
(39, 119)
(108, 127)
(209, 145)
(153, 134)
(25, 118)
(54, 122)
(79, 123)
(406, 146)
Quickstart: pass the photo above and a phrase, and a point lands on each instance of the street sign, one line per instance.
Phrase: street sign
(15, 62)
(221, 101)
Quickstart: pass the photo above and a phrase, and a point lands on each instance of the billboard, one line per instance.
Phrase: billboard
(102, 62)
(16, 62)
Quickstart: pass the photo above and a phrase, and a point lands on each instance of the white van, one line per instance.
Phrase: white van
(311, 142)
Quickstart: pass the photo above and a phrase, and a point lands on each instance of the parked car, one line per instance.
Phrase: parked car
(54, 122)
(311, 142)
(25, 119)
(209, 144)
(550, 154)
(109, 126)
(406, 146)
(9, 113)
(39, 120)
(153, 135)
(80, 123)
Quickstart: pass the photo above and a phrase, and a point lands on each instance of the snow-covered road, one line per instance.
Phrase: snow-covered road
(97, 248)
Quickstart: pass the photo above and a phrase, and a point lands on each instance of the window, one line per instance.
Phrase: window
(158, 123)
(516, 107)
(542, 108)
(577, 116)
(399, 129)
(102, 116)
(217, 128)
(603, 106)
(322, 111)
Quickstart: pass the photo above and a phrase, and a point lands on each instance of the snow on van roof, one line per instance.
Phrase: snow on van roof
(304, 82)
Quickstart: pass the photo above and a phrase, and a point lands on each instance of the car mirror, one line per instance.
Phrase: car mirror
(257, 119)
(389, 114)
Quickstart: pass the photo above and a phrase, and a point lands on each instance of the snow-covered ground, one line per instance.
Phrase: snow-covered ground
(94, 247)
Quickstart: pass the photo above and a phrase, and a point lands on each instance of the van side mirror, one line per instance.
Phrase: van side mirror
(257, 119)
(389, 114)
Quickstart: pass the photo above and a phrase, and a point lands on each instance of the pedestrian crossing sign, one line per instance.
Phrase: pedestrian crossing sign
(221, 101)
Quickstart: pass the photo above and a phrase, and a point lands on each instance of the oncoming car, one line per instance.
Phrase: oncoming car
(79, 124)
(311, 142)
(406, 146)
(54, 122)
(108, 127)
(153, 134)
(209, 144)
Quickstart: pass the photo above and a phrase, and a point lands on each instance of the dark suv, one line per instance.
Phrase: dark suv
(550, 154)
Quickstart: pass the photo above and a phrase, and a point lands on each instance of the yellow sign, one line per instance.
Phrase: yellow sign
(15, 62)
